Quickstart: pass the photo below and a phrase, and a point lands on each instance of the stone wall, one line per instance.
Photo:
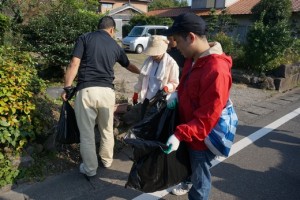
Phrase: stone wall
(284, 78)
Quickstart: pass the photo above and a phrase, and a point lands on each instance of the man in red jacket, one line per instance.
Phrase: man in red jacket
(203, 92)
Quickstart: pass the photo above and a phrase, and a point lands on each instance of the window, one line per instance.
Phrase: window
(136, 31)
(107, 5)
(160, 31)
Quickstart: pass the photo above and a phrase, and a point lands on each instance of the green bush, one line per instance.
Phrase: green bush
(53, 36)
(4, 26)
(232, 48)
(217, 23)
(293, 54)
(267, 45)
(275, 11)
(18, 85)
(270, 37)
(226, 42)
(7, 172)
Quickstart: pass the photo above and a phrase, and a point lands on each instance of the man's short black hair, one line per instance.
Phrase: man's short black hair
(106, 22)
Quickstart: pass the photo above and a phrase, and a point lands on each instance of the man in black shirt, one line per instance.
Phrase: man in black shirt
(175, 53)
(94, 55)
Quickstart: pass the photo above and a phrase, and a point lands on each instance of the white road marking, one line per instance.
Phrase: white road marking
(236, 147)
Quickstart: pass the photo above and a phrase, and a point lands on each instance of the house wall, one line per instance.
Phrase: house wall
(243, 25)
(125, 15)
(119, 24)
(143, 6)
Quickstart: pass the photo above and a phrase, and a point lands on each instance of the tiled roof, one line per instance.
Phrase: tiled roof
(173, 12)
(241, 7)
(296, 5)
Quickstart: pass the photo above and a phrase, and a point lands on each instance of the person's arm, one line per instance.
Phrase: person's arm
(70, 74)
(134, 69)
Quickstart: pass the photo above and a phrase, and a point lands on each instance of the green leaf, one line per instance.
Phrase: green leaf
(4, 123)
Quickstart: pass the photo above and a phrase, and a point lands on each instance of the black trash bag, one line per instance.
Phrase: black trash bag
(152, 169)
(67, 129)
(147, 127)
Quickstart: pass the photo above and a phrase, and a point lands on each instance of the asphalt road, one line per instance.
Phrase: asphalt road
(268, 168)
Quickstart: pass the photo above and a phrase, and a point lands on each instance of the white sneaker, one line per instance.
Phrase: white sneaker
(181, 189)
(106, 165)
(82, 170)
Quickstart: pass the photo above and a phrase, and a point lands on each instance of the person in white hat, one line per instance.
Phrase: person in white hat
(159, 72)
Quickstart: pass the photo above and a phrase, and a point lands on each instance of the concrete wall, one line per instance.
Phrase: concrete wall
(119, 25)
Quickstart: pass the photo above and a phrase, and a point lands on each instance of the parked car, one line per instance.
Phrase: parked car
(137, 39)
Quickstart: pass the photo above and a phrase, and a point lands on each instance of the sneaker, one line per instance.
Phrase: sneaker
(106, 165)
(181, 189)
(82, 170)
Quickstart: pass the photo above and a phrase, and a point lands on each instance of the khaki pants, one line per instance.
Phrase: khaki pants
(95, 105)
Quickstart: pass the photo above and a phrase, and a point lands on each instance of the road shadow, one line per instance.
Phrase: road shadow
(282, 181)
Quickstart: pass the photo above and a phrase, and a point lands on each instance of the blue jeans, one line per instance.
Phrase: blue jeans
(201, 178)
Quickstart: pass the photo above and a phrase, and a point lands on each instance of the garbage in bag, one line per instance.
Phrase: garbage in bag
(67, 129)
(147, 127)
(133, 115)
(152, 169)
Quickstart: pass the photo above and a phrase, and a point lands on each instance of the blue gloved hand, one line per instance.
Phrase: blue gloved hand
(173, 144)
(172, 100)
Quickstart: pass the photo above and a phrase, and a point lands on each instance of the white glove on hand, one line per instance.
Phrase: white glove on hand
(173, 144)
(172, 100)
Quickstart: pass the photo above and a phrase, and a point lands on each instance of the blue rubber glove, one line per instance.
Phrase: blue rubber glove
(172, 100)
(173, 144)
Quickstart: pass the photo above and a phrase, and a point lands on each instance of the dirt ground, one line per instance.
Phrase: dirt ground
(124, 79)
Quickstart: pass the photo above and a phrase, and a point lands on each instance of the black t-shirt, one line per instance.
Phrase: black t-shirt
(98, 53)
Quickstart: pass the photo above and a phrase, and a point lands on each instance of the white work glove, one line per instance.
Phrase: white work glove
(172, 100)
(172, 143)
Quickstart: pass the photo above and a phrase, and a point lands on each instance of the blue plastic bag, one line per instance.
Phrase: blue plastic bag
(220, 139)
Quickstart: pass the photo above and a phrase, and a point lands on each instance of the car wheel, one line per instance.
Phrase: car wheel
(139, 49)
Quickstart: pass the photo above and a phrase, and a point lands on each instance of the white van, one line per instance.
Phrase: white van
(138, 37)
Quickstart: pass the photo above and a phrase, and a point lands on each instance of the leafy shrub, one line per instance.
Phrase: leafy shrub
(53, 35)
(159, 4)
(267, 45)
(226, 42)
(4, 26)
(44, 117)
(18, 85)
(274, 11)
(270, 37)
(217, 23)
(293, 54)
(7, 172)
(232, 48)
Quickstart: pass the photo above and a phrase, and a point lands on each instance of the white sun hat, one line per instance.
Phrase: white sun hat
(157, 45)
